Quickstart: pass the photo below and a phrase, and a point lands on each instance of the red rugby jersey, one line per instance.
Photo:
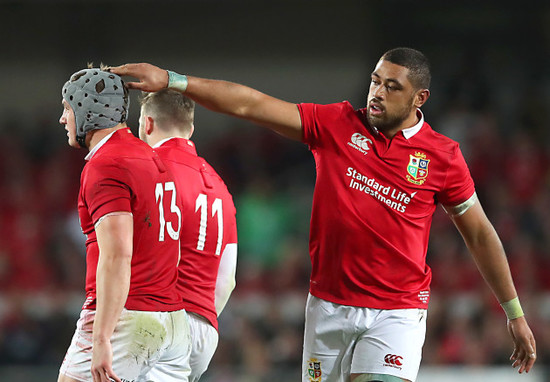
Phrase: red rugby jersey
(125, 174)
(209, 224)
(373, 204)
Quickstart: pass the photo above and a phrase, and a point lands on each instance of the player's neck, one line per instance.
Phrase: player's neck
(95, 136)
(154, 139)
(410, 121)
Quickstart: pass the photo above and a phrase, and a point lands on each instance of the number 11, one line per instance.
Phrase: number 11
(201, 203)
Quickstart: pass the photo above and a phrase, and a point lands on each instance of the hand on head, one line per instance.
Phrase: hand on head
(151, 78)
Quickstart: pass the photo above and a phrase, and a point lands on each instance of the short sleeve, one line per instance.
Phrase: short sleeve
(106, 189)
(459, 185)
(310, 127)
(317, 120)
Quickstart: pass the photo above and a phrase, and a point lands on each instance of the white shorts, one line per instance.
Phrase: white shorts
(204, 341)
(341, 340)
(143, 342)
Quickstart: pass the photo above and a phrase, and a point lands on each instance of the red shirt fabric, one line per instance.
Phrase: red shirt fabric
(125, 174)
(373, 204)
(209, 224)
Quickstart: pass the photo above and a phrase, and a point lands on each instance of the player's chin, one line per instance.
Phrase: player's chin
(73, 143)
(375, 120)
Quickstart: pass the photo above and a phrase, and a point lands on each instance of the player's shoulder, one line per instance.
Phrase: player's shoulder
(338, 113)
(179, 157)
(342, 107)
(211, 170)
(437, 140)
(122, 150)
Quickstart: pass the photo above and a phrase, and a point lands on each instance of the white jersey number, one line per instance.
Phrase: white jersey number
(159, 193)
(202, 204)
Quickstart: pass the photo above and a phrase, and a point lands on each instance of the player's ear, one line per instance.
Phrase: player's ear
(192, 130)
(421, 97)
(149, 125)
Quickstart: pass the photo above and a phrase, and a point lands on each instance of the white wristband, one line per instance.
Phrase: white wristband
(512, 308)
(177, 81)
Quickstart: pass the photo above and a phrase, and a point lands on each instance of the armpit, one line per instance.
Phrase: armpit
(454, 211)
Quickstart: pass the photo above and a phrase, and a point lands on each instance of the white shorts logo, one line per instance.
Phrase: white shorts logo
(360, 142)
(393, 360)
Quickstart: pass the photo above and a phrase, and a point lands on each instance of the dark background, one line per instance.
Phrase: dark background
(490, 91)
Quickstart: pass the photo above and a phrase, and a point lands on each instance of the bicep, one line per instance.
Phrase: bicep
(278, 115)
(245, 102)
(473, 224)
(285, 120)
(115, 234)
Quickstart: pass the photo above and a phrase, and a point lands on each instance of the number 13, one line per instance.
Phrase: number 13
(159, 193)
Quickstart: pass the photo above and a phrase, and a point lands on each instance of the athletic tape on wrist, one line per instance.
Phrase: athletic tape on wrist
(177, 81)
(512, 309)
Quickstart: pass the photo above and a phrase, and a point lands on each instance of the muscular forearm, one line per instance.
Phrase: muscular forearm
(491, 261)
(486, 248)
(224, 97)
(246, 103)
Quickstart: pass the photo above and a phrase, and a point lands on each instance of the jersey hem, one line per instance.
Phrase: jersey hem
(372, 304)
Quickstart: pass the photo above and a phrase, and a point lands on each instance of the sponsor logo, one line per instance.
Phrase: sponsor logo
(393, 360)
(417, 169)
(314, 370)
(384, 193)
(360, 143)
(88, 301)
(424, 296)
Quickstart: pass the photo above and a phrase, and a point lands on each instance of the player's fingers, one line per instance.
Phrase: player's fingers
(530, 355)
(122, 70)
(111, 376)
(517, 356)
(526, 365)
(135, 85)
(514, 355)
(530, 362)
(96, 376)
(526, 359)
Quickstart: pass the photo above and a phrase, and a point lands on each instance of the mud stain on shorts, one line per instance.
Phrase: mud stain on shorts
(148, 335)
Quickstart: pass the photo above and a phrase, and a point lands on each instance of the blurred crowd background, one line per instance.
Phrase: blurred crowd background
(490, 92)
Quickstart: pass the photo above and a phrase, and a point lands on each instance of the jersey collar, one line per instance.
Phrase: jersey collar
(411, 131)
(98, 146)
(185, 144)
(161, 142)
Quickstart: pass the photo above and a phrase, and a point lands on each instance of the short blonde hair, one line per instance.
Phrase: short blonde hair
(170, 109)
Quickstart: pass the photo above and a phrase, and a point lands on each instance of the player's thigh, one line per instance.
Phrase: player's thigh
(137, 342)
(77, 364)
(172, 363)
(393, 345)
(204, 341)
(328, 341)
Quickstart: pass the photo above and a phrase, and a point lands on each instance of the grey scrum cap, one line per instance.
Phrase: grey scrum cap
(99, 100)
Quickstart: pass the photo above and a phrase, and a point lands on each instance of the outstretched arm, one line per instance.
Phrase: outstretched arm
(488, 253)
(223, 97)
